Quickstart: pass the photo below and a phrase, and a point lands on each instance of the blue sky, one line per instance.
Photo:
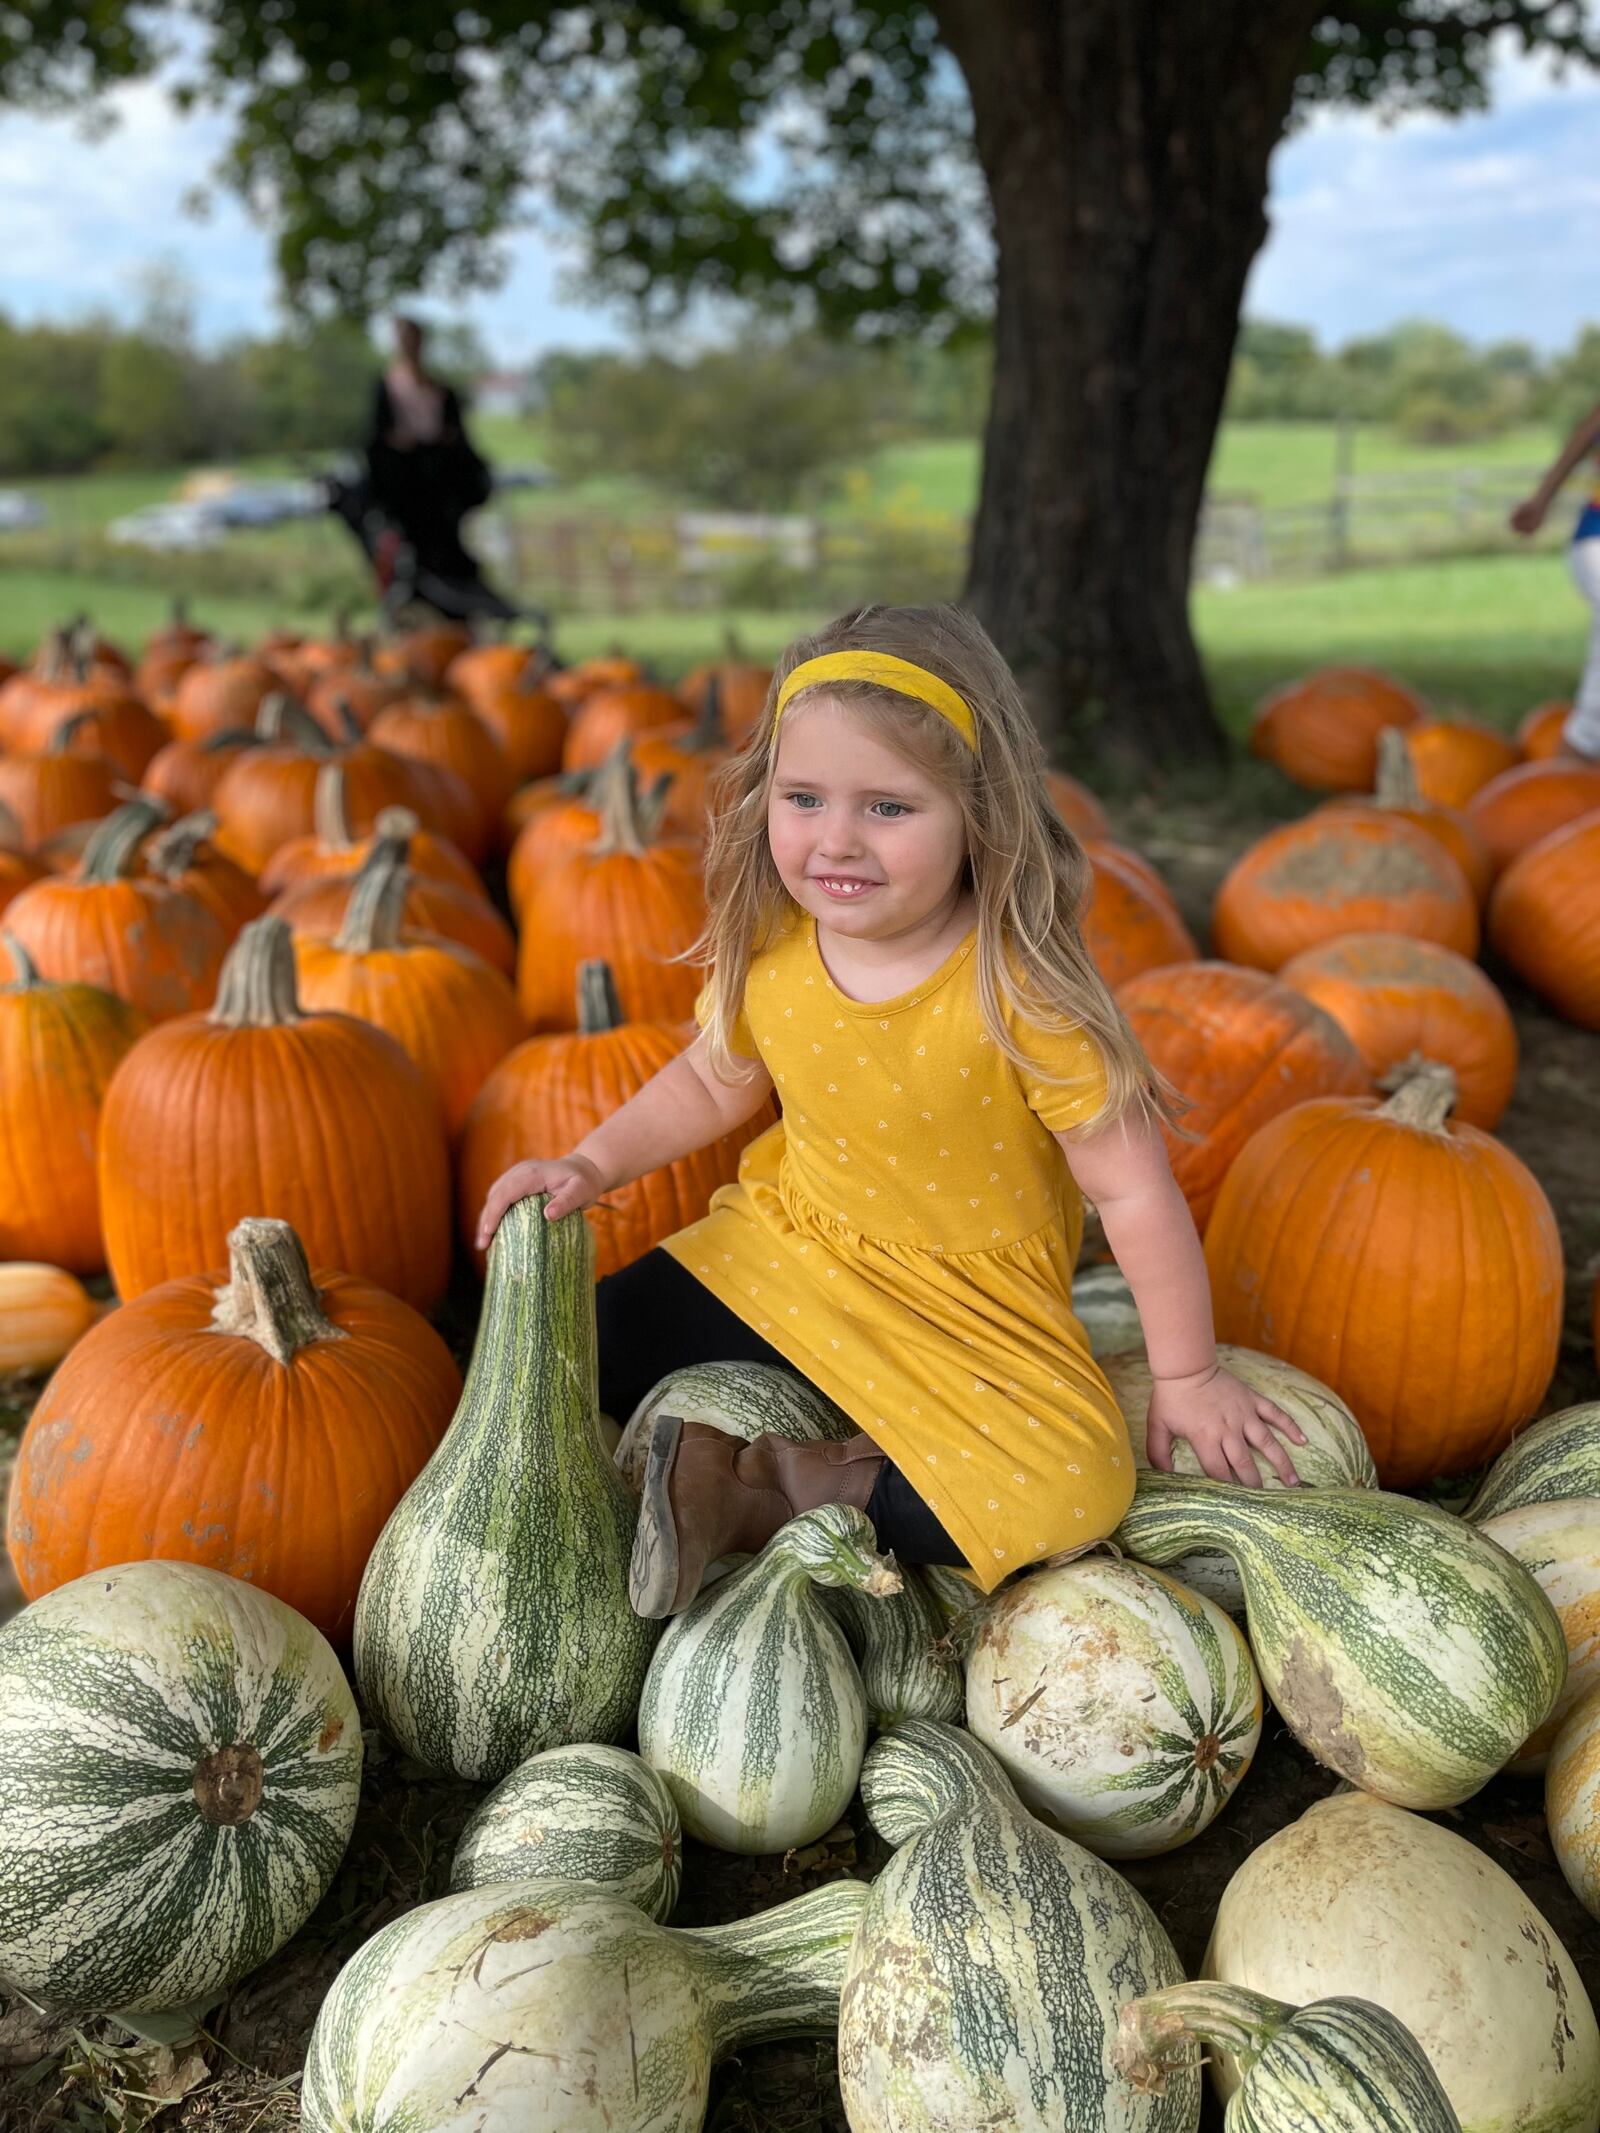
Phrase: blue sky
(1486, 223)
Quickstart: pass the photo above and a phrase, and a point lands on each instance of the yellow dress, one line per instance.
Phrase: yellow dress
(905, 1237)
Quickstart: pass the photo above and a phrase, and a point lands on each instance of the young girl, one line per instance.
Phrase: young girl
(1581, 733)
(893, 945)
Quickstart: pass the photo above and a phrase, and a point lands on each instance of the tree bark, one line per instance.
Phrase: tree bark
(1125, 144)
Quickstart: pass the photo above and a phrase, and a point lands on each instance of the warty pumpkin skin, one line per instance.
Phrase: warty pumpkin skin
(59, 1047)
(1521, 807)
(1130, 923)
(1323, 730)
(257, 1108)
(1398, 999)
(318, 907)
(546, 1095)
(1453, 757)
(1544, 918)
(332, 847)
(261, 1421)
(1240, 1048)
(1388, 1252)
(1345, 870)
(152, 944)
(448, 1010)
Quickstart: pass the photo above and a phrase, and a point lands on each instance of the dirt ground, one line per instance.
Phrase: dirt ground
(242, 2076)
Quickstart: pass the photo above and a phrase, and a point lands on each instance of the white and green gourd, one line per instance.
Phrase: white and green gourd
(1402, 1649)
(1123, 1707)
(1361, 1899)
(493, 1620)
(746, 1400)
(907, 1662)
(985, 1980)
(1337, 2066)
(595, 1815)
(1555, 1457)
(547, 2007)
(1572, 1800)
(1558, 1544)
(1335, 1454)
(1103, 1305)
(180, 1760)
(753, 1709)
(957, 1599)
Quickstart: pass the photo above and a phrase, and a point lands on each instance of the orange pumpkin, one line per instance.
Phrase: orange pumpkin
(59, 1046)
(127, 730)
(317, 907)
(441, 731)
(1077, 807)
(333, 848)
(742, 686)
(1399, 1000)
(617, 714)
(107, 924)
(319, 1119)
(186, 773)
(185, 857)
(167, 657)
(221, 695)
(263, 1422)
(1542, 732)
(504, 685)
(551, 1091)
(49, 791)
(1453, 757)
(685, 759)
(1322, 731)
(1544, 918)
(1388, 1251)
(1397, 791)
(1238, 1048)
(1524, 805)
(447, 1009)
(344, 696)
(17, 870)
(1341, 870)
(424, 654)
(1130, 923)
(570, 685)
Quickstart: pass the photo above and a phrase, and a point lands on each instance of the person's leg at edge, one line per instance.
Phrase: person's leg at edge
(1582, 729)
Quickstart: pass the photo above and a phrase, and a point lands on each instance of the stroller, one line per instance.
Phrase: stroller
(422, 561)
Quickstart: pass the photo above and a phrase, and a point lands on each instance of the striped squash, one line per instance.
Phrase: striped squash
(1558, 1544)
(451, 2021)
(1334, 1455)
(986, 1975)
(952, 1592)
(1103, 1305)
(180, 1758)
(590, 1814)
(748, 1400)
(1572, 1800)
(1123, 1707)
(1338, 2066)
(493, 1619)
(1556, 1457)
(1402, 1650)
(753, 1710)
(908, 1666)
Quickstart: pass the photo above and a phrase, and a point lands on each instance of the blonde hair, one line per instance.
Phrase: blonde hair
(1030, 876)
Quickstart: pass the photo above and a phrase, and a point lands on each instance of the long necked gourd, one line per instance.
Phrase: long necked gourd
(493, 1620)
(547, 2007)
(1337, 2066)
(744, 1399)
(1402, 1649)
(1553, 1458)
(908, 1665)
(985, 1979)
(753, 1709)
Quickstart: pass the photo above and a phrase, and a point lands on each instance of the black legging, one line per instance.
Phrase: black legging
(654, 1318)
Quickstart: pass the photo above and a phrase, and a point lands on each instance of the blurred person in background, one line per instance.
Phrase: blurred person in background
(1581, 734)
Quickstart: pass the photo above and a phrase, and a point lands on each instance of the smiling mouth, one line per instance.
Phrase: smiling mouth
(843, 884)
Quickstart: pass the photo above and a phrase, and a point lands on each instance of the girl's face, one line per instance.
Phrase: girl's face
(863, 839)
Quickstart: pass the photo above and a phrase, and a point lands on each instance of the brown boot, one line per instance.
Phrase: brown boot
(708, 1494)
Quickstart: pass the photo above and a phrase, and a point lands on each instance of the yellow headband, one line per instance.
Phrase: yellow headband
(901, 675)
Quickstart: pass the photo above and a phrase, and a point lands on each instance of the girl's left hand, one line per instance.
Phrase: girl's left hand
(1220, 1419)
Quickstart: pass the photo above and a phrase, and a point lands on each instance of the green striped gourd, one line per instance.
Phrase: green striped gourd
(952, 1592)
(908, 1665)
(1572, 1799)
(1558, 1544)
(753, 1710)
(180, 1759)
(1334, 1455)
(1103, 1305)
(1123, 1707)
(493, 1619)
(591, 1814)
(1337, 2066)
(1402, 1649)
(746, 1399)
(994, 1953)
(1364, 1899)
(1555, 1457)
(452, 2020)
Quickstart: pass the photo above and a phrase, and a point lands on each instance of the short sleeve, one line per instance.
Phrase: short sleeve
(1064, 1080)
(743, 1042)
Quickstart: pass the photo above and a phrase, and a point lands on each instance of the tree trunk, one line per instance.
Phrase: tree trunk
(1125, 144)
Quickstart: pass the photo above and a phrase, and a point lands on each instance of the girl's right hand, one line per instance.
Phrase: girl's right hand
(572, 1181)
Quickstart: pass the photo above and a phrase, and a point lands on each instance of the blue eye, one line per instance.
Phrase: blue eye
(802, 799)
(893, 807)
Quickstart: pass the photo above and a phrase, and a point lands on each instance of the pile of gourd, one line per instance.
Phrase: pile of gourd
(249, 1464)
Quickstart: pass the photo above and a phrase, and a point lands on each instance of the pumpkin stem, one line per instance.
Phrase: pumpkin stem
(173, 852)
(10, 829)
(377, 902)
(67, 732)
(1425, 1096)
(257, 987)
(230, 737)
(399, 825)
(330, 811)
(615, 797)
(599, 1008)
(269, 1298)
(280, 718)
(1397, 773)
(1156, 2035)
(24, 970)
(112, 850)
